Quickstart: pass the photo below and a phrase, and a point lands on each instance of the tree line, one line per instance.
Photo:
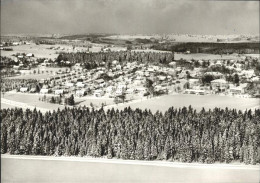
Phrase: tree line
(11, 84)
(185, 135)
(93, 60)
(213, 48)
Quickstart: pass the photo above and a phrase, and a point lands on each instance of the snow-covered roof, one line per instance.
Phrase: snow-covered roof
(219, 81)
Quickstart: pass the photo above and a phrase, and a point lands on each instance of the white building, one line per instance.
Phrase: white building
(80, 93)
(172, 64)
(69, 84)
(219, 84)
(118, 67)
(118, 92)
(114, 62)
(248, 73)
(23, 89)
(80, 84)
(141, 90)
(109, 89)
(98, 93)
(58, 92)
(29, 55)
(161, 78)
(44, 91)
(129, 91)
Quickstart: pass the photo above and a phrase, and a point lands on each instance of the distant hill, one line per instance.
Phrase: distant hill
(214, 48)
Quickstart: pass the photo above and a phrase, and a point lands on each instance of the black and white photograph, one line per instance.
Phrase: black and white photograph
(126, 91)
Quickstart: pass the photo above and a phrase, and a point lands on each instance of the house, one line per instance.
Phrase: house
(146, 74)
(109, 89)
(80, 93)
(157, 88)
(110, 74)
(83, 77)
(218, 63)
(121, 86)
(201, 62)
(58, 92)
(99, 81)
(114, 62)
(237, 65)
(103, 63)
(178, 69)
(98, 93)
(172, 64)
(255, 79)
(215, 74)
(141, 90)
(194, 82)
(182, 74)
(80, 84)
(129, 91)
(219, 85)
(137, 81)
(118, 67)
(128, 65)
(113, 69)
(44, 91)
(100, 72)
(15, 43)
(45, 86)
(150, 69)
(16, 67)
(32, 90)
(139, 73)
(23, 89)
(248, 73)
(155, 68)
(234, 90)
(30, 55)
(120, 89)
(169, 77)
(161, 78)
(118, 92)
(197, 92)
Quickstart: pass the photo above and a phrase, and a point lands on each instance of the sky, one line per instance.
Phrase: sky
(129, 17)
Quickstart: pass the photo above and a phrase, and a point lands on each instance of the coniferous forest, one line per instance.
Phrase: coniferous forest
(185, 135)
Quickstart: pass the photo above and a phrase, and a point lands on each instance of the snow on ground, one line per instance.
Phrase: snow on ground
(75, 169)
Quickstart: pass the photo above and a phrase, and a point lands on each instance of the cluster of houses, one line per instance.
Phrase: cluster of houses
(130, 79)
(220, 82)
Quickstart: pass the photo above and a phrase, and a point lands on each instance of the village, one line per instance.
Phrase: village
(56, 80)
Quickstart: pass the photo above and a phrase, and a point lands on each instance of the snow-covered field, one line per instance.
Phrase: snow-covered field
(42, 51)
(76, 169)
(163, 103)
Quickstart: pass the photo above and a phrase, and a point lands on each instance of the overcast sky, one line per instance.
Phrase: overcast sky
(129, 16)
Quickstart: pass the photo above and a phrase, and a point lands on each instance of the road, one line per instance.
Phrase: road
(55, 169)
